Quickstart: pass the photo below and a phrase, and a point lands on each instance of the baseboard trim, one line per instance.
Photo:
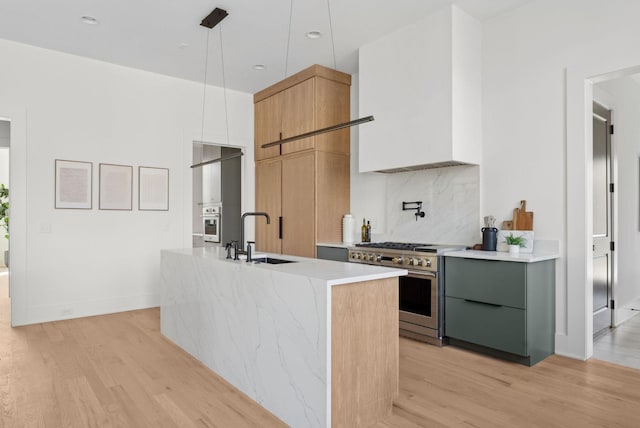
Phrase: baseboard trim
(58, 312)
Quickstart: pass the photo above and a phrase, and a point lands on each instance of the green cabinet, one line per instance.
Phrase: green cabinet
(332, 253)
(501, 307)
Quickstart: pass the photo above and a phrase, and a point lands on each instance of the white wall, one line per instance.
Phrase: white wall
(624, 100)
(526, 55)
(93, 261)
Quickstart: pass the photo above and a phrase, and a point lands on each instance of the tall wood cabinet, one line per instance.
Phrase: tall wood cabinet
(303, 185)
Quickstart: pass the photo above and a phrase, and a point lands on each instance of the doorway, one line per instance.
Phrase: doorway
(5, 294)
(216, 186)
(602, 219)
(620, 344)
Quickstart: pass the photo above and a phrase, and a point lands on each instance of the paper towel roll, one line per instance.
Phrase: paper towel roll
(348, 225)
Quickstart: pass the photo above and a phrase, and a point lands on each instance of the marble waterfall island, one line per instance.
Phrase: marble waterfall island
(315, 342)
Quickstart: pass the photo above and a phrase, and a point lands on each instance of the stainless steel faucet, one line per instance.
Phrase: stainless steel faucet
(242, 226)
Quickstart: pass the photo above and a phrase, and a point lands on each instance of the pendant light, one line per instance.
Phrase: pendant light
(328, 128)
(210, 21)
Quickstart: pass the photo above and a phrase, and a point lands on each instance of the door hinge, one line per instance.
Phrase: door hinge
(612, 246)
(611, 129)
(613, 304)
(611, 187)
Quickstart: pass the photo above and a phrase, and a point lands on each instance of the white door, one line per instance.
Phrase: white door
(602, 218)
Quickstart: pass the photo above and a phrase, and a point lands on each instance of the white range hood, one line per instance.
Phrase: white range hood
(423, 85)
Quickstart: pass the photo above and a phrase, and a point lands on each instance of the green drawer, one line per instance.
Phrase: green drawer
(497, 327)
(333, 253)
(489, 281)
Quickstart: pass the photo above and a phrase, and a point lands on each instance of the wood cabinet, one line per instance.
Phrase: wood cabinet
(501, 306)
(269, 200)
(303, 185)
(306, 194)
(315, 98)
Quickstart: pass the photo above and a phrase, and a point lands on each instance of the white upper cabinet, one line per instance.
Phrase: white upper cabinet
(422, 84)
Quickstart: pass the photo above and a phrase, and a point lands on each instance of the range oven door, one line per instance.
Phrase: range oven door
(419, 299)
(211, 224)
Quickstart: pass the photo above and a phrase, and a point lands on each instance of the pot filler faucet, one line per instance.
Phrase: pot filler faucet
(242, 225)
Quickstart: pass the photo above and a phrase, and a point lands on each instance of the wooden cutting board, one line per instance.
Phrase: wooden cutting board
(522, 219)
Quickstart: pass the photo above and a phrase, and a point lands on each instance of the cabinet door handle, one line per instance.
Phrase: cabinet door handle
(280, 227)
(483, 303)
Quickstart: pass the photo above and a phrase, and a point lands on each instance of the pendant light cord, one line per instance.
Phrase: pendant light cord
(224, 86)
(333, 44)
(286, 59)
(204, 85)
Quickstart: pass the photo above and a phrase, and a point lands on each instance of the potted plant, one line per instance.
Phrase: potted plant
(4, 217)
(514, 243)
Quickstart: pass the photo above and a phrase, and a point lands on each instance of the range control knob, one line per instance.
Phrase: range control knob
(397, 260)
(417, 262)
(427, 262)
(379, 258)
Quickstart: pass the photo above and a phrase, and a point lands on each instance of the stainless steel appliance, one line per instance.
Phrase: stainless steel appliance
(421, 291)
(211, 220)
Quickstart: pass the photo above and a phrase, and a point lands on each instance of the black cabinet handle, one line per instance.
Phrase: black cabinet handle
(483, 303)
(280, 227)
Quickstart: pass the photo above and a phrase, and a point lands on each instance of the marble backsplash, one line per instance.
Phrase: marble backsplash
(450, 199)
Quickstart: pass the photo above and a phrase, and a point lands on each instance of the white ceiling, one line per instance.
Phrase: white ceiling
(164, 36)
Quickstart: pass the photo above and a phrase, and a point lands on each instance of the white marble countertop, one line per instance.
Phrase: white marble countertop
(334, 273)
(536, 256)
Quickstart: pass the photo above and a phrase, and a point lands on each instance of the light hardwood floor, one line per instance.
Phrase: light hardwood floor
(119, 371)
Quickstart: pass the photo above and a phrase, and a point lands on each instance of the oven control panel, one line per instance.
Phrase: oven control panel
(413, 261)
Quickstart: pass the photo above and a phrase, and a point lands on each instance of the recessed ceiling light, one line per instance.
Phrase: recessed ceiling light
(314, 34)
(89, 20)
(259, 67)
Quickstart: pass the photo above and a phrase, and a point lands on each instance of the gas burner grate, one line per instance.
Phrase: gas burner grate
(392, 245)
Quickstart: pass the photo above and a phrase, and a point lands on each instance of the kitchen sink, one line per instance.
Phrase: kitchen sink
(271, 260)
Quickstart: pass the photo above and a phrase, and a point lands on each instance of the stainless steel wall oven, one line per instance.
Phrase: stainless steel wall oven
(211, 221)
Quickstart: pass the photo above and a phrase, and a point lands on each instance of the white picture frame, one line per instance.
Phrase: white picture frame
(73, 184)
(153, 189)
(115, 187)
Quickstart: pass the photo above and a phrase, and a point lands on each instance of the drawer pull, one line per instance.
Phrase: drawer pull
(483, 303)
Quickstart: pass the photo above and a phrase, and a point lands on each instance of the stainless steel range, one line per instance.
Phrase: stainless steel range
(421, 291)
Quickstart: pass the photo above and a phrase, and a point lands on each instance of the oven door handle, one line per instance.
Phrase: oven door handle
(424, 273)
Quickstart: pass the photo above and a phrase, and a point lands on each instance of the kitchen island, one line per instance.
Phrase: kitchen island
(315, 341)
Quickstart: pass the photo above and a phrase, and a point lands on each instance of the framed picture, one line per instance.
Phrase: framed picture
(153, 189)
(73, 184)
(116, 187)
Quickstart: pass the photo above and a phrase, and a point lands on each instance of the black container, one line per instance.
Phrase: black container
(489, 238)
